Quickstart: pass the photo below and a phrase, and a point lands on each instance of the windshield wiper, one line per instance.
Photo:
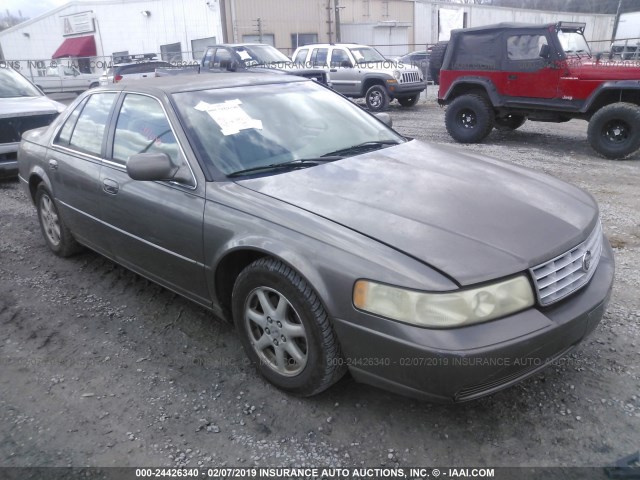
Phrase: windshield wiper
(354, 149)
(291, 165)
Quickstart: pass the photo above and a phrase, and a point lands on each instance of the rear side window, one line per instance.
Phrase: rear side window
(319, 57)
(477, 51)
(90, 127)
(67, 129)
(301, 56)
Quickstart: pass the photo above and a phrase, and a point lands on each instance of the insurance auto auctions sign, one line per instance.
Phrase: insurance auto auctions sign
(77, 23)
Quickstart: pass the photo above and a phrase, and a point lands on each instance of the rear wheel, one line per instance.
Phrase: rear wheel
(284, 328)
(55, 232)
(377, 98)
(614, 130)
(409, 101)
(510, 122)
(469, 118)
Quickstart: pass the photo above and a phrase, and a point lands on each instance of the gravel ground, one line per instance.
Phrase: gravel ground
(99, 367)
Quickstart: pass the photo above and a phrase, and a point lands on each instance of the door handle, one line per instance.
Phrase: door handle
(53, 164)
(333, 70)
(110, 186)
(513, 77)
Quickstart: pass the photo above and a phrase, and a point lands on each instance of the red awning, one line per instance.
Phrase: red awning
(76, 47)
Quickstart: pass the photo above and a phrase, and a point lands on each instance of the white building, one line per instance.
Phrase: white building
(100, 30)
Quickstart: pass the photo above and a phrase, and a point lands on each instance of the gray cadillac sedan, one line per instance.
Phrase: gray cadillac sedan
(331, 241)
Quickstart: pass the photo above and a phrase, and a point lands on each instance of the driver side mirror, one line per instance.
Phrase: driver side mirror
(545, 52)
(346, 64)
(151, 167)
(232, 66)
(384, 118)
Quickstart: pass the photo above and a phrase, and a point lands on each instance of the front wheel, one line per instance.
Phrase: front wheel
(409, 101)
(614, 130)
(94, 85)
(377, 98)
(284, 328)
(469, 118)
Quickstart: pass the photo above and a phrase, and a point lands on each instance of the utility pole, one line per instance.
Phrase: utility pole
(259, 28)
(616, 22)
(329, 21)
(337, 15)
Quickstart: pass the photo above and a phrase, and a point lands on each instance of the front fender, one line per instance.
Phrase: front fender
(627, 85)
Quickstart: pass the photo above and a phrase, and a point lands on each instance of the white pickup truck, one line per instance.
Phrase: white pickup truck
(62, 78)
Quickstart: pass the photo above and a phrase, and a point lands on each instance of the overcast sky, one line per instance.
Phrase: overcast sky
(30, 8)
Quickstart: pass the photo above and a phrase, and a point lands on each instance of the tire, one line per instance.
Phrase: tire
(377, 98)
(409, 101)
(469, 118)
(510, 122)
(614, 130)
(55, 232)
(292, 344)
(94, 85)
(435, 60)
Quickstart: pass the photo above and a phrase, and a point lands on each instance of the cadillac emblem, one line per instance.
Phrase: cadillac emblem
(586, 261)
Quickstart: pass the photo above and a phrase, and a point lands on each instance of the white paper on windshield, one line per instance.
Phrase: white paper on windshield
(229, 116)
(244, 55)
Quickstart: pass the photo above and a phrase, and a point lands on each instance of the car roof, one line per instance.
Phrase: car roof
(504, 26)
(194, 81)
(327, 45)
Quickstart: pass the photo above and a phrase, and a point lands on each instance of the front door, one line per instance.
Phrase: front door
(155, 227)
(344, 78)
(525, 73)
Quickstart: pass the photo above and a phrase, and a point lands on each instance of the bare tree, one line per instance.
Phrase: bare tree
(9, 20)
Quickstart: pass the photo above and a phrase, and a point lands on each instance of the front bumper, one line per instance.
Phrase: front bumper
(405, 89)
(8, 160)
(461, 364)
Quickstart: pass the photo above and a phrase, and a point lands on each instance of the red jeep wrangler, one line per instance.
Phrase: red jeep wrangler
(501, 75)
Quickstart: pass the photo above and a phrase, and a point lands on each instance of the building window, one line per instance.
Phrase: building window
(267, 38)
(302, 39)
(199, 45)
(171, 52)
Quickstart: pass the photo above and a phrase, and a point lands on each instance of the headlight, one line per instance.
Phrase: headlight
(444, 310)
(397, 74)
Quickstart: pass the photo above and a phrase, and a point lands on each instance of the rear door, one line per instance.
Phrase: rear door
(74, 163)
(344, 78)
(155, 227)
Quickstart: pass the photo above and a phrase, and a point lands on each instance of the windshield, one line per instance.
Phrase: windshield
(12, 84)
(236, 129)
(573, 42)
(260, 55)
(366, 54)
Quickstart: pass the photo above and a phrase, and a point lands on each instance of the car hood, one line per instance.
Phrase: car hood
(473, 218)
(25, 106)
(604, 70)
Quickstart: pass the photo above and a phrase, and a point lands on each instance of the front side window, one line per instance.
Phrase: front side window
(338, 56)
(222, 59)
(89, 130)
(142, 127)
(525, 47)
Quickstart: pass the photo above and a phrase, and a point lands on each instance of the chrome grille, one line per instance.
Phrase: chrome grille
(410, 77)
(568, 272)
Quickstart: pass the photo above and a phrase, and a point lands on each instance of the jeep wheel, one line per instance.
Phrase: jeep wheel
(409, 101)
(510, 122)
(435, 61)
(614, 130)
(377, 98)
(469, 118)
